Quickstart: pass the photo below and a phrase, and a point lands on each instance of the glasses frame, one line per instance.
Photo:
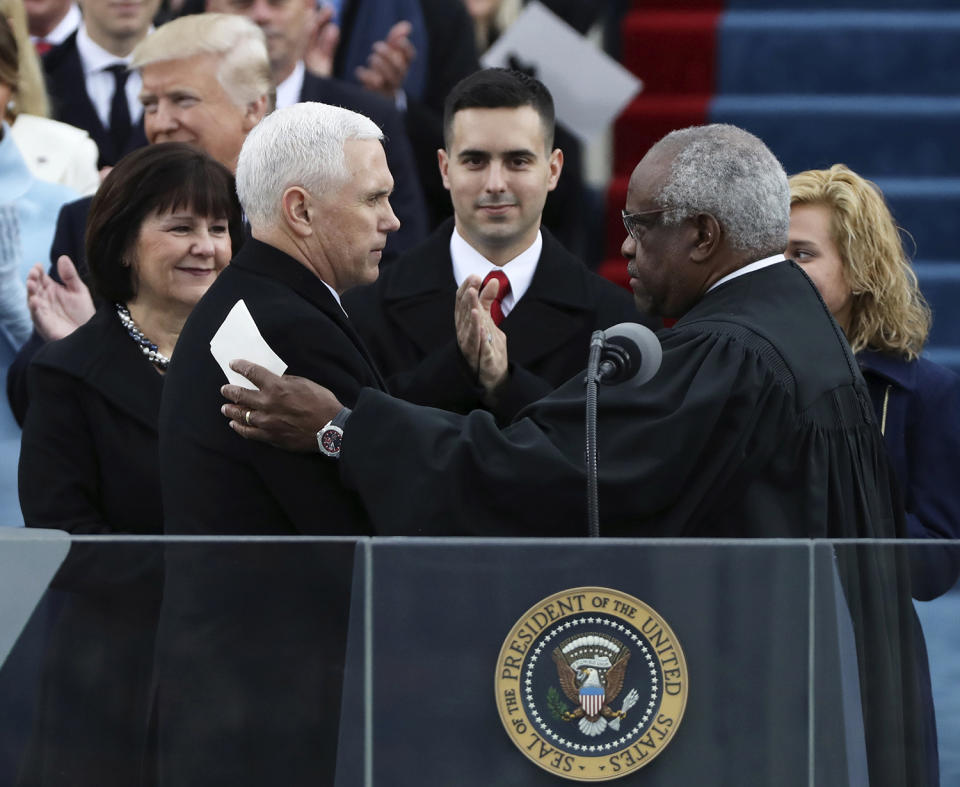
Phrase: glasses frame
(628, 220)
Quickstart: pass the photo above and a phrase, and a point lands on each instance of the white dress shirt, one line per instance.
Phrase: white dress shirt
(288, 91)
(100, 82)
(467, 260)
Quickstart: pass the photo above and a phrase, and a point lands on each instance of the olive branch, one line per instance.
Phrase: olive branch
(556, 704)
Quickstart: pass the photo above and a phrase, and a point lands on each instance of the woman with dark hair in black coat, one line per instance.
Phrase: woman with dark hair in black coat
(159, 232)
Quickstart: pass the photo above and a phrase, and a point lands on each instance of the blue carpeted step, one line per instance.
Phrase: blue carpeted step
(840, 52)
(890, 136)
(929, 209)
(940, 284)
(945, 356)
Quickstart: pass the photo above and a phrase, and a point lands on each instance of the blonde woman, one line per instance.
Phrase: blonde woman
(843, 235)
(53, 151)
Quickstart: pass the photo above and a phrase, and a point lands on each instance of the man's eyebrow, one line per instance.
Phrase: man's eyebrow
(520, 153)
(473, 153)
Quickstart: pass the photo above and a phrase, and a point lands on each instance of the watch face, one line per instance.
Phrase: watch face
(330, 441)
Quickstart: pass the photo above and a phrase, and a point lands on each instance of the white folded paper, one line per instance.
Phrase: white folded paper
(589, 87)
(239, 337)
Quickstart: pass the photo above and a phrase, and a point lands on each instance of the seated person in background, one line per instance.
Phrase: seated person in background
(160, 233)
(498, 164)
(286, 25)
(842, 234)
(206, 81)
(315, 186)
(54, 151)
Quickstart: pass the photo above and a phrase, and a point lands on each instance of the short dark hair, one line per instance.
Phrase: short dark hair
(156, 178)
(499, 88)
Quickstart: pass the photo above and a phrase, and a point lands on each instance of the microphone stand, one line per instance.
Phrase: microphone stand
(592, 380)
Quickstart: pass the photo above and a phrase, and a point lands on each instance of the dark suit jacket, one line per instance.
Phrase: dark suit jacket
(406, 319)
(71, 104)
(407, 198)
(251, 642)
(89, 465)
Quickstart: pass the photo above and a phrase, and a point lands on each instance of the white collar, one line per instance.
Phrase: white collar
(60, 33)
(467, 260)
(336, 296)
(93, 57)
(753, 266)
(288, 91)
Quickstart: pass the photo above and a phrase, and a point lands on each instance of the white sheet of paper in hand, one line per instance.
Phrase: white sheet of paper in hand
(238, 337)
(589, 88)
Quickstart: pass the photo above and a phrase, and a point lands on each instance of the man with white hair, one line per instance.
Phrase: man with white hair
(258, 701)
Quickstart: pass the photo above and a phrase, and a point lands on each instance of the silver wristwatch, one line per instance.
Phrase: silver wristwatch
(330, 437)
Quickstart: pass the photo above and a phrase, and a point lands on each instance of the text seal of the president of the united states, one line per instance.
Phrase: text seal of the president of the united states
(591, 684)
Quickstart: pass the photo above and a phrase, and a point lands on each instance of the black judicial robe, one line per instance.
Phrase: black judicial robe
(758, 424)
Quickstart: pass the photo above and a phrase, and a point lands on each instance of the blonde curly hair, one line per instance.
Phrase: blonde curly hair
(889, 313)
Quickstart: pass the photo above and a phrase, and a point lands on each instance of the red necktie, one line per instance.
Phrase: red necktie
(496, 308)
(42, 46)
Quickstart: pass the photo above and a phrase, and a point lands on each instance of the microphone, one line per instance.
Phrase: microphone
(631, 353)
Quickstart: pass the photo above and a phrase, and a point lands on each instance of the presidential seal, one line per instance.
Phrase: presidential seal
(591, 684)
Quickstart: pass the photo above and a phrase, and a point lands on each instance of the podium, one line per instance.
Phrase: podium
(776, 661)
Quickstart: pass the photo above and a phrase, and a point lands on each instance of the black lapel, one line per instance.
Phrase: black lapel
(107, 359)
(551, 312)
(420, 291)
(266, 260)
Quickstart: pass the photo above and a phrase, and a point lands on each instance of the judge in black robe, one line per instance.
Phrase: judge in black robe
(758, 423)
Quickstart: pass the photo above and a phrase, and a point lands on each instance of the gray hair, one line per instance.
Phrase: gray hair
(300, 145)
(731, 174)
(244, 71)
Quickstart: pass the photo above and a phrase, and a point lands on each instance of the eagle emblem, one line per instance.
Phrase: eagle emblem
(591, 669)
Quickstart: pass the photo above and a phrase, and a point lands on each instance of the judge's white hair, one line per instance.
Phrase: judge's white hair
(731, 174)
(300, 145)
(244, 69)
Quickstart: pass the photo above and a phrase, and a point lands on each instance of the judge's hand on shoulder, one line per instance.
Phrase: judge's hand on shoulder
(286, 412)
(57, 310)
(483, 344)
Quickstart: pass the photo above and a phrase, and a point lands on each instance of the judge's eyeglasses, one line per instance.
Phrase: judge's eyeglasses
(639, 223)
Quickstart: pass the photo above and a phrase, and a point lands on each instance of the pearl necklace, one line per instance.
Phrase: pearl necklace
(147, 347)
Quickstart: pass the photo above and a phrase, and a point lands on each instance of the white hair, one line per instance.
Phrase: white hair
(731, 174)
(299, 145)
(244, 69)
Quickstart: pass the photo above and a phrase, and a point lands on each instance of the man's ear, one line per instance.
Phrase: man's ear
(254, 113)
(555, 162)
(297, 208)
(443, 161)
(707, 237)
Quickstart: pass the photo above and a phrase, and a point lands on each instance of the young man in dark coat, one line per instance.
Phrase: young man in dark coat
(498, 164)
